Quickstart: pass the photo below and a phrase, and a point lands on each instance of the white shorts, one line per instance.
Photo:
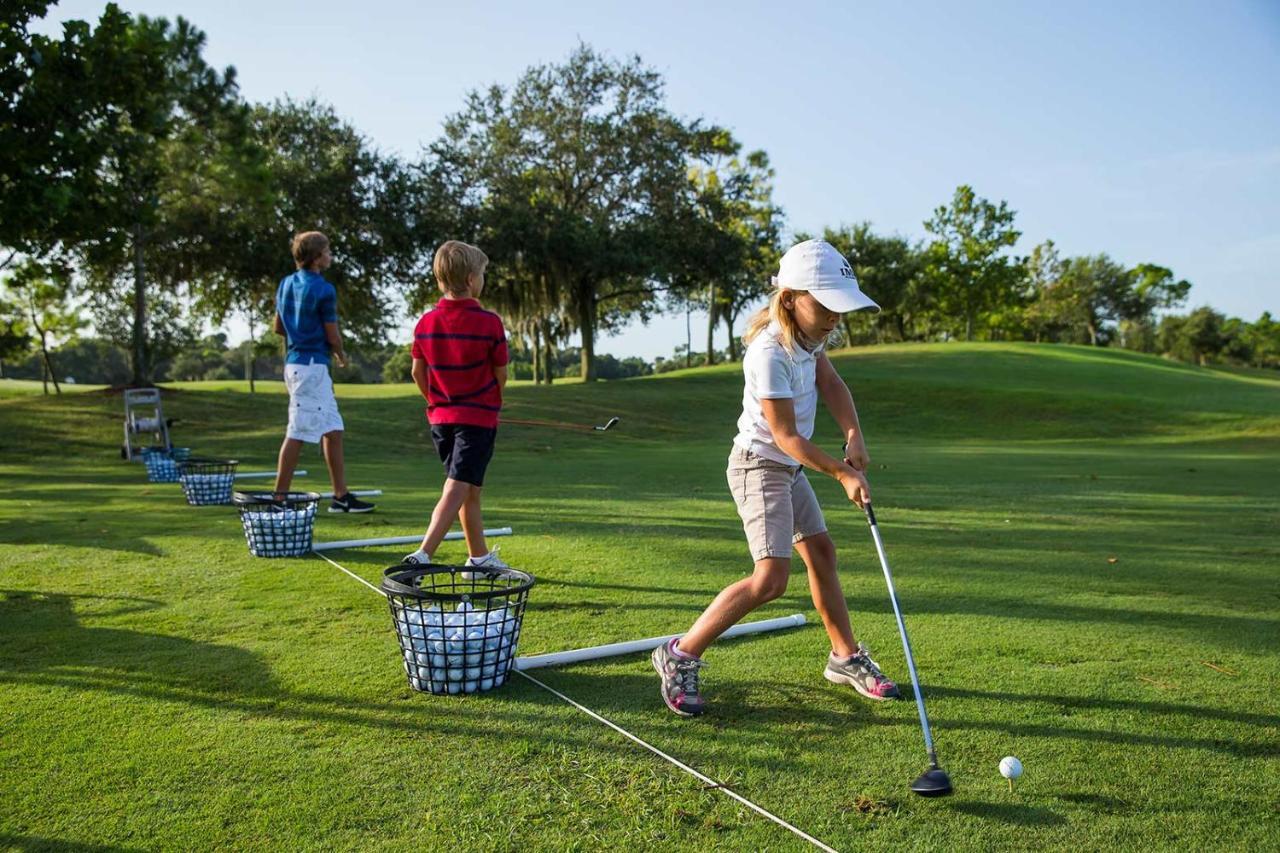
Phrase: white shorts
(313, 411)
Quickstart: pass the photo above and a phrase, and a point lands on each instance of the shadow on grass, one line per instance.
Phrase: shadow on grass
(32, 843)
(1010, 813)
(43, 635)
(739, 710)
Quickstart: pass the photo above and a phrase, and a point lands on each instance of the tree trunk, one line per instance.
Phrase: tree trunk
(729, 320)
(48, 363)
(968, 326)
(250, 362)
(587, 327)
(139, 367)
(46, 372)
(536, 352)
(688, 340)
(547, 372)
(710, 358)
(1093, 335)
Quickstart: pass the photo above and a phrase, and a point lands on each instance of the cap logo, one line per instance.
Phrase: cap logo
(846, 271)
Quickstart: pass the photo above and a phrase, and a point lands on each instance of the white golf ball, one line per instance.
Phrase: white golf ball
(486, 684)
(1010, 767)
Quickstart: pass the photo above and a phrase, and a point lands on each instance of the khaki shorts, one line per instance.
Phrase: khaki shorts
(775, 501)
(313, 411)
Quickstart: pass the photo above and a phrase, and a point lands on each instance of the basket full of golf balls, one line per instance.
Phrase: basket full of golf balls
(458, 626)
(207, 481)
(162, 463)
(277, 527)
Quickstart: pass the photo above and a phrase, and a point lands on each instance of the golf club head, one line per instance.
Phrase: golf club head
(933, 782)
(608, 424)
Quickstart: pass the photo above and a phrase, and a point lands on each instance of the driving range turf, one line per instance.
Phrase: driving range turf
(1084, 543)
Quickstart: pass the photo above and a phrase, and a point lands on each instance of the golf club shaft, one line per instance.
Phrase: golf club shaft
(906, 643)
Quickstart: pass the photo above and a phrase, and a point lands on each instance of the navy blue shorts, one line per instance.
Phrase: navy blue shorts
(465, 450)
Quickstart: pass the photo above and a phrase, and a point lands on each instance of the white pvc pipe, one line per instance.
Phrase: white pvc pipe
(263, 475)
(360, 493)
(397, 540)
(634, 646)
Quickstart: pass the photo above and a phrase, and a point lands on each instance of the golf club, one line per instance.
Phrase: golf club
(933, 782)
(609, 424)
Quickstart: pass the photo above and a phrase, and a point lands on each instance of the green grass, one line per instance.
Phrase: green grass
(161, 689)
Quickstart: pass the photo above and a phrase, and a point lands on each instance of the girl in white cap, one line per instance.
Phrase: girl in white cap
(787, 371)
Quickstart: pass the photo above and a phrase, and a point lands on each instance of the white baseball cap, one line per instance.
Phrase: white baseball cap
(815, 266)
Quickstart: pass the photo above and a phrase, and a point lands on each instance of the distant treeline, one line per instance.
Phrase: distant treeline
(142, 197)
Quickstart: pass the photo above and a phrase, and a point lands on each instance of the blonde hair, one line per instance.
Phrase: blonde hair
(777, 312)
(307, 248)
(454, 264)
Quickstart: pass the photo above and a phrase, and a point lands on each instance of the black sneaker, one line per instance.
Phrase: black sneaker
(349, 503)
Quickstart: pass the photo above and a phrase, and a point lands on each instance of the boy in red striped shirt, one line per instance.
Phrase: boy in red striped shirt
(460, 366)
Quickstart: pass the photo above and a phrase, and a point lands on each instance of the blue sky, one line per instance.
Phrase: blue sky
(1149, 131)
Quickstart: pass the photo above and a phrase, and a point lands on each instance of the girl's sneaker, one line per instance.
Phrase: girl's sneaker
(862, 674)
(679, 680)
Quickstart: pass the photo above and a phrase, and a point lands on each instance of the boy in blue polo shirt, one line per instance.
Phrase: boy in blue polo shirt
(307, 315)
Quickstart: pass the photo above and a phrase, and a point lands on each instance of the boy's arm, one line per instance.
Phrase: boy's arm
(780, 412)
(278, 325)
(500, 357)
(335, 343)
(420, 376)
(835, 395)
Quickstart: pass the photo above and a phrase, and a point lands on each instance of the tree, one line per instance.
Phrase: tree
(167, 128)
(41, 294)
(15, 336)
(1263, 339)
(722, 243)
(590, 155)
(1196, 337)
(317, 172)
(1154, 289)
(888, 270)
(47, 151)
(1049, 310)
(968, 269)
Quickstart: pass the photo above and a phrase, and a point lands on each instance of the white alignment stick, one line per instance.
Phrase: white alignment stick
(398, 540)
(263, 475)
(634, 646)
(360, 493)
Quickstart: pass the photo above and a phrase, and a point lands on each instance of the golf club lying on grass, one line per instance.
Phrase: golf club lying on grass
(933, 782)
(609, 424)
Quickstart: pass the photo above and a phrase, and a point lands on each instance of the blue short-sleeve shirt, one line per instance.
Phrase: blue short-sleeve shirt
(305, 302)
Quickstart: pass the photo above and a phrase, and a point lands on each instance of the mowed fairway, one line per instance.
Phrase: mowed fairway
(1076, 535)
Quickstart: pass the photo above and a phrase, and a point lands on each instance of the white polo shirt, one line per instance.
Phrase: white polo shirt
(772, 373)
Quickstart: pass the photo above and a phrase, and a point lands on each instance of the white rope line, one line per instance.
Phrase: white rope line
(685, 767)
(701, 777)
(357, 577)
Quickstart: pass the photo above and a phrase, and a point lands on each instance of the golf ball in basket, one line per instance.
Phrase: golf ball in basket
(1010, 767)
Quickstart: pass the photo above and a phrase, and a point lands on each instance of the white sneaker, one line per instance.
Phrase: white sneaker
(417, 558)
(488, 561)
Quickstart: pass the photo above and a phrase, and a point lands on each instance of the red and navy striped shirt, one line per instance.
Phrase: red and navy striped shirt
(461, 343)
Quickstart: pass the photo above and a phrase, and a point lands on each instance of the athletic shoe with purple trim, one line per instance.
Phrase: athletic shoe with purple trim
(861, 673)
(679, 680)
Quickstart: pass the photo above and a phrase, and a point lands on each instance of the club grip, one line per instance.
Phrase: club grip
(871, 513)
